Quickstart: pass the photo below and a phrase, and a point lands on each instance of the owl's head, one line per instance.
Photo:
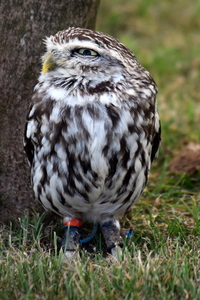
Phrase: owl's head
(86, 53)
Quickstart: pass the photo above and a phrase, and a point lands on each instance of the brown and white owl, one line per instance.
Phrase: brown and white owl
(92, 132)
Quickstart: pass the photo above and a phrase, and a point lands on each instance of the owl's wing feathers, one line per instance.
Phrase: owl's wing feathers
(156, 142)
(28, 146)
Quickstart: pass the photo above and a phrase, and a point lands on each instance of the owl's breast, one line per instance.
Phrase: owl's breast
(88, 157)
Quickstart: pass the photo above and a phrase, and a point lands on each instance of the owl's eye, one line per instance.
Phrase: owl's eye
(86, 52)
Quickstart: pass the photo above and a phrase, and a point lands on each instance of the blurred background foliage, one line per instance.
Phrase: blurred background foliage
(165, 37)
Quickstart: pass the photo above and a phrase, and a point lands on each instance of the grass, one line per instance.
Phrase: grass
(162, 259)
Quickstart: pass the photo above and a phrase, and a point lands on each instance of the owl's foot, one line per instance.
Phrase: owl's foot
(71, 256)
(110, 229)
(72, 234)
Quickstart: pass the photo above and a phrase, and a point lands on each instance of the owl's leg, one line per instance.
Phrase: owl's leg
(110, 229)
(72, 234)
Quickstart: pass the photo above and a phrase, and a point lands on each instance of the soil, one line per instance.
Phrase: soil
(188, 161)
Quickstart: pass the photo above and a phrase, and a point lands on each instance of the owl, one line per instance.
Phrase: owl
(92, 132)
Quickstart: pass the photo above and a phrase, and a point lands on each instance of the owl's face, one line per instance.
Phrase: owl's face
(74, 52)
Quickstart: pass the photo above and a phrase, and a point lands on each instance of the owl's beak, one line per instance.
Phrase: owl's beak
(48, 62)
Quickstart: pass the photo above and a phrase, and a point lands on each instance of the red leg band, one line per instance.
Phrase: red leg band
(74, 222)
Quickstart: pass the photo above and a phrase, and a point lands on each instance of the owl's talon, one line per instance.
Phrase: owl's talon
(115, 255)
(71, 256)
(116, 252)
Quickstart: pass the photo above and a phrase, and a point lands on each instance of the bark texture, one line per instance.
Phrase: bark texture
(24, 24)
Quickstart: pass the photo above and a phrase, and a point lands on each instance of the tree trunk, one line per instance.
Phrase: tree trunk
(24, 24)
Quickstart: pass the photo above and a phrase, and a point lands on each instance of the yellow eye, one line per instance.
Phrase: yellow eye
(87, 52)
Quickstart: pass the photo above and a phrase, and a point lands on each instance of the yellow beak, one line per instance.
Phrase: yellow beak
(47, 63)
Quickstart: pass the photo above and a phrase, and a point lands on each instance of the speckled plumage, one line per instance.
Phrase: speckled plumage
(93, 130)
